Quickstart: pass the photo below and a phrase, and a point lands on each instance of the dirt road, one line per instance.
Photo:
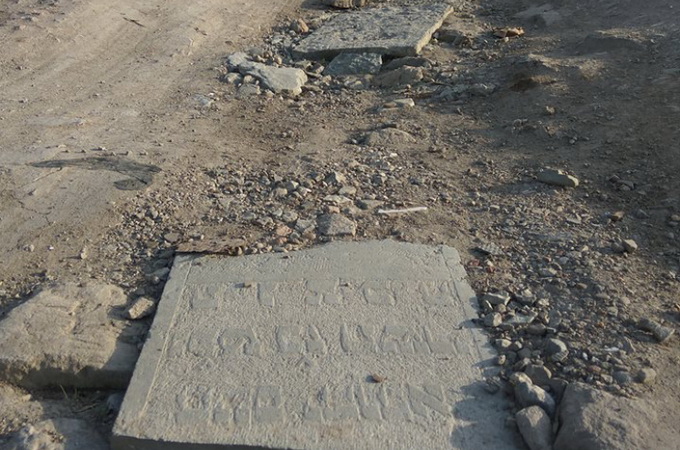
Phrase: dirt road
(113, 85)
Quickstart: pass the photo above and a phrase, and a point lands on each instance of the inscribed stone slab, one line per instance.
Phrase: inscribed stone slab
(395, 31)
(349, 345)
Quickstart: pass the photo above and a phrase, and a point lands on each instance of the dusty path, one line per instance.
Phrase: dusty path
(119, 77)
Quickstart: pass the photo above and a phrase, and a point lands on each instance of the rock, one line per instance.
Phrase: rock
(540, 375)
(336, 178)
(594, 420)
(629, 245)
(399, 77)
(114, 402)
(58, 434)
(557, 178)
(622, 377)
(388, 136)
(281, 80)
(140, 308)
(69, 335)
(497, 298)
(660, 333)
(555, 347)
(535, 427)
(528, 394)
(235, 60)
(493, 320)
(336, 225)
(413, 61)
(299, 26)
(367, 204)
(248, 90)
(617, 216)
(399, 103)
(354, 64)
(646, 376)
(395, 31)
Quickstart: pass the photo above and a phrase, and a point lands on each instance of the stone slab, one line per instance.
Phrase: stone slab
(394, 31)
(70, 335)
(349, 345)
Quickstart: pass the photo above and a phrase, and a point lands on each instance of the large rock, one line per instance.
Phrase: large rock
(70, 336)
(58, 434)
(395, 31)
(595, 420)
(281, 80)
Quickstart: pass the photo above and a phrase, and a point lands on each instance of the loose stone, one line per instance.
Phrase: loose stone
(534, 426)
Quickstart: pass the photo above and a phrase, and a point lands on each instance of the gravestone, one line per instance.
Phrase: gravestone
(394, 31)
(349, 345)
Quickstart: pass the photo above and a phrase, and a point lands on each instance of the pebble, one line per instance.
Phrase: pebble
(629, 245)
(622, 377)
(493, 320)
(540, 375)
(646, 375)
(497, 298)
(140, 308)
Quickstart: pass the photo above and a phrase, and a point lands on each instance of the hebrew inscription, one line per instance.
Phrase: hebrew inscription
(348, 345)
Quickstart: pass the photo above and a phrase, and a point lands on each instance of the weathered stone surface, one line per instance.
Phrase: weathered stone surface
(399, 77)
(336, 225)
(70, 336)
(527, 394)
(535, 427)
(58, 434)
(362, 345)
(281, 80)
(389, 31)
(388, 136)
(354, 64)
(594, 420)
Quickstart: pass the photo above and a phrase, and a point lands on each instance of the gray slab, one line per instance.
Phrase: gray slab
(280, 350)
(395, 31)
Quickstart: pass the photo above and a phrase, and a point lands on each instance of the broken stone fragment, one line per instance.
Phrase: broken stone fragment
(354, 64)
(557, 178)
(281, 80)
(660, 333)
(336, 225)
(394, 31)
(534, 426)
(70, 335)
(141, 308)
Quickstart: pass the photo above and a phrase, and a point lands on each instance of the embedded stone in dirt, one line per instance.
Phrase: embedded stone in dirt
(390, 31)
(354, 64)
(594, 420)
(281, 80)
(388, 136)
(371, 343)
(336, 225)
(557, 178)
(70, 335)
(58, 434)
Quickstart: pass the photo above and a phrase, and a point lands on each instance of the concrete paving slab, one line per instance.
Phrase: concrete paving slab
(349, 345)
(395, 31)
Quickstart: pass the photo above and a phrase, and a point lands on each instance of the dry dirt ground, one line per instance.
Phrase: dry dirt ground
(119, 139)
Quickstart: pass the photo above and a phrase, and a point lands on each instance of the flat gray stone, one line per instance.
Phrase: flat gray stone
(70, 335)
(354, 64)
(390, 31)
(281, 80)
(361, 345)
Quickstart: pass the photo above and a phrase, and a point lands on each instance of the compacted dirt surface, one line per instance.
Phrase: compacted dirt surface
(124, 135)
